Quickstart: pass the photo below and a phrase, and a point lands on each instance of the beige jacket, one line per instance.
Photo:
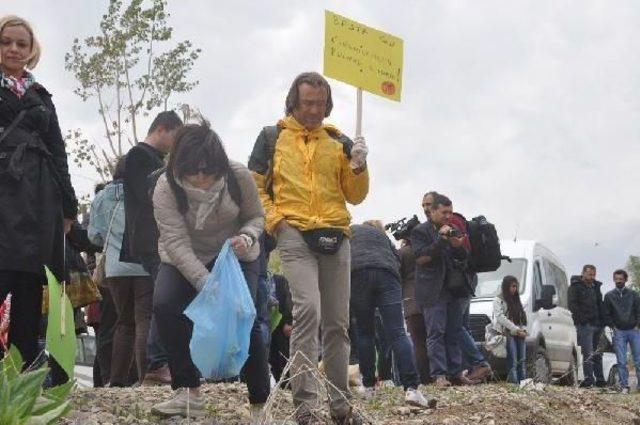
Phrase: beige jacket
(189, 249)
(501, 322)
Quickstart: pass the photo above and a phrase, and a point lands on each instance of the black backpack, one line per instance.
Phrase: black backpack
(485, 245)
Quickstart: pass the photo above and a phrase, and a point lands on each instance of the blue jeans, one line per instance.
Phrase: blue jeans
(443, 322)
(371, 288)
(516, 359)
(471, 356)
(588, 339)
(620, 340)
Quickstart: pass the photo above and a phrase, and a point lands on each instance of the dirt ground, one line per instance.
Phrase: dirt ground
(485, 404)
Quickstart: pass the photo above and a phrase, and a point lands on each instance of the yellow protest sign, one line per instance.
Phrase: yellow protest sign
(362, 56)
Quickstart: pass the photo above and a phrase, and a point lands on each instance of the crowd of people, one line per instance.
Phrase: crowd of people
(174, 201)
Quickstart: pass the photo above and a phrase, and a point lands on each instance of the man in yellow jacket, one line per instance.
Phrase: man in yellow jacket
(306, 171)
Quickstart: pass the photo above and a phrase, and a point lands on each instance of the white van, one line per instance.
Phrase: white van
(552, 348)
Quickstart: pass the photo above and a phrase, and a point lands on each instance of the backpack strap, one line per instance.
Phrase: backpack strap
(347, 143)
(270, 134)
(234, 188)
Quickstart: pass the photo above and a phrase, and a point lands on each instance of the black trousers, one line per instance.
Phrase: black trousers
(172, 295)
(278, 352)
(26, 310)
(156, 353)
(104, 339)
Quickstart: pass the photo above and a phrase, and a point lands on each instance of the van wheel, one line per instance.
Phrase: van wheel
(614, 378)
(570, 379)
(540, 367)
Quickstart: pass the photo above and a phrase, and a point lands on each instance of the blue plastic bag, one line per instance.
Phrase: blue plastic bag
(222, 315)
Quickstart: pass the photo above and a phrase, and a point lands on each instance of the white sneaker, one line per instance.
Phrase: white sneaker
(182, 404)
(414, 397)
(258, 416)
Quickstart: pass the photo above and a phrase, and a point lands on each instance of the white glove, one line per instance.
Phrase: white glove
(359, 153)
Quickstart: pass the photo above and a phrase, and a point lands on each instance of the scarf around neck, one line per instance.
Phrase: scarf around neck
(18, 86)
(208, 199)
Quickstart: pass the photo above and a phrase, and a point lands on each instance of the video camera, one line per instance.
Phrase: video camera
(402, 228)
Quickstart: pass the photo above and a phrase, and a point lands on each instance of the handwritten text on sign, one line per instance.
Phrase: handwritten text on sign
(363, 56)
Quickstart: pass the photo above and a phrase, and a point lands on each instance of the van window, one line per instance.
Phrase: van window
(490, 283)
(537, 281)
(557, 277)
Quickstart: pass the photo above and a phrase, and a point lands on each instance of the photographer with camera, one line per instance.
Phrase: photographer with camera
(472, 357)
(441, 255)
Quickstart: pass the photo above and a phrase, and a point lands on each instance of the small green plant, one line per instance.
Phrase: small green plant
(22, 399)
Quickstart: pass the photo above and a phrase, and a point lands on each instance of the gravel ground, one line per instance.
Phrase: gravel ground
(485, 404)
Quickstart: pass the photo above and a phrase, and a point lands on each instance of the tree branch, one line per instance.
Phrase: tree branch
(104, 120)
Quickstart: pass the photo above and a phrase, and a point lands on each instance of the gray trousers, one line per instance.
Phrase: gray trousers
(320, 290)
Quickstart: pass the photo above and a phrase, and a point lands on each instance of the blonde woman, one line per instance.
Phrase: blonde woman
(38, 201)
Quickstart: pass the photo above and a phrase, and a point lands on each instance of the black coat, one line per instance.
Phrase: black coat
(140, 231)
(621, 309)
(586, 310)
(426, 241)
(35, 187)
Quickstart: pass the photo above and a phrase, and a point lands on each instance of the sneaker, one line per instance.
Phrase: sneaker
(442, 382)
(182, 404)
(602, 384)
(624, 390)
(414, 397)
(586, 384)
(352, 418)
(480, 372)
(160, 376)
(308, 418)
(257, 412)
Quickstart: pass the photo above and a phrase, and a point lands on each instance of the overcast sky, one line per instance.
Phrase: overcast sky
(525, 111)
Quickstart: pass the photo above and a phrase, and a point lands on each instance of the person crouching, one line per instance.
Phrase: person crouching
(202, 200)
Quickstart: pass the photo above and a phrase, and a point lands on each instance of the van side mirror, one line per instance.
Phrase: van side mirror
(548, 298)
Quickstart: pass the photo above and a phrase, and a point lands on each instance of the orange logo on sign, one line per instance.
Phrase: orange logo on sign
(388, 88)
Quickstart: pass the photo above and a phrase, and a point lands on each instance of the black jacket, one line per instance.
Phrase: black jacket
(372, 249)
(426, 241)
(140, 230)
(35, 186)
(586, 310)
(621, 309)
